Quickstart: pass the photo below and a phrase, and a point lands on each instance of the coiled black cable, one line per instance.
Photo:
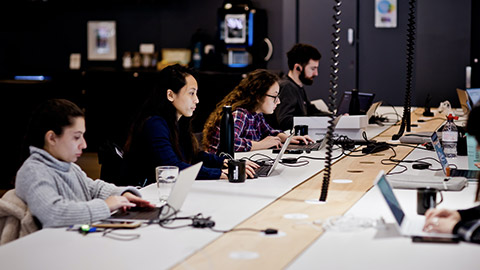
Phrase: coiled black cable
(410, 58)
(332, 97)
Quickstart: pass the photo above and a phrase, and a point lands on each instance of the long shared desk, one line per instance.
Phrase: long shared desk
(286, 201)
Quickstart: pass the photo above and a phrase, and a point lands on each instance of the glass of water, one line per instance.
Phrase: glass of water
(166, 177)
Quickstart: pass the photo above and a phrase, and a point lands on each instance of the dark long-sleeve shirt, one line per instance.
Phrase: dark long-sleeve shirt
(154, 148)
(468, 228)
(293, 102)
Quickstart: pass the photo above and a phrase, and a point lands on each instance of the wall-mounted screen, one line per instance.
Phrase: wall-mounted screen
(235, 28)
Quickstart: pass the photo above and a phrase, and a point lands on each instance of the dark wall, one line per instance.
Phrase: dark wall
(442, 52)
(40, 37)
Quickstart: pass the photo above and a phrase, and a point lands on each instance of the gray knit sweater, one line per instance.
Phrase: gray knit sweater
(60, 194)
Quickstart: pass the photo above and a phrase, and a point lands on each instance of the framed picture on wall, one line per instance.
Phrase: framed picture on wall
(102, 40)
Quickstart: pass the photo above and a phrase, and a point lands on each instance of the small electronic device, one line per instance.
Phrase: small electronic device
(427, 239)
(291, 151)
(289, 160)
(421, 166)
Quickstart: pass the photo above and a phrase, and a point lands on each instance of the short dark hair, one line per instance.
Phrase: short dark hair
(52, 114)
(301, 54)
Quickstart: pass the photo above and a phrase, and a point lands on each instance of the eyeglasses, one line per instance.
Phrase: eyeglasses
(275, 98)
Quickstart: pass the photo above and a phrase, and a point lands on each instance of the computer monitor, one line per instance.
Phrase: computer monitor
(366, 100)
(235, 28)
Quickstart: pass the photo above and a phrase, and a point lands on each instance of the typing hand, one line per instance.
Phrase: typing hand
(250, 169)
(137, 200)
(117, 202)
(441, 220)
(302, 140)
(269, 142)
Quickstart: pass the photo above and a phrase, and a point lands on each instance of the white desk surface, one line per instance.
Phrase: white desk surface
(228, 204)
(385, 248)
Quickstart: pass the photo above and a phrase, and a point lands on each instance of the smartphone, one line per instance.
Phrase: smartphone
(429, 239)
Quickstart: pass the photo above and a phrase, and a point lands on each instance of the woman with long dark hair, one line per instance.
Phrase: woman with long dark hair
(162, 134)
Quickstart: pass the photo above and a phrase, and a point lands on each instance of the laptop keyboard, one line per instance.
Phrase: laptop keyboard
(139, 213)
(263, 169)
(414, 226)
(469, 174)
(312, 146)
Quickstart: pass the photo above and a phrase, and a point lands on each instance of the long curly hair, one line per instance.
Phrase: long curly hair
(249, 94)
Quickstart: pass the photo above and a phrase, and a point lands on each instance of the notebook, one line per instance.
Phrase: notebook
(266, 168)
(407, 226)
(366, 100)
(471, 175)
(314, 146)
(177, 197)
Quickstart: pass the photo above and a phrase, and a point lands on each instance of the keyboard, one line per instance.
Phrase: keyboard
(263, 169)
(311, 146)
(469, 174)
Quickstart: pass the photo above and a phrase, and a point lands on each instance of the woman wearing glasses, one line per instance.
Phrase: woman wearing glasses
(255, 96)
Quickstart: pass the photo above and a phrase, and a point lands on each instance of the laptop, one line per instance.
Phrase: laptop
(371, 111)
(185, 180)
(366, 100)
(473, 96)
(407, 226)
(314, 146)
(266, 168)
(463, 98)
(471, 175)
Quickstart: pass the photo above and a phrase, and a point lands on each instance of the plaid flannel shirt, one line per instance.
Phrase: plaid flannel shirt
(248, 127)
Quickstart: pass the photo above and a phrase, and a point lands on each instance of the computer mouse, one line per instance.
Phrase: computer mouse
(254, 176)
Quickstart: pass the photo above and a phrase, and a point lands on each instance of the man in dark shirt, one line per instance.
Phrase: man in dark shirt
(303, 63)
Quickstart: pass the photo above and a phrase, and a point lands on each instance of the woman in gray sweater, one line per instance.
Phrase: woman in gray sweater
(56, 190)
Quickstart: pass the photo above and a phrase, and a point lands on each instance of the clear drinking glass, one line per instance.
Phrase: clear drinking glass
(166, 177)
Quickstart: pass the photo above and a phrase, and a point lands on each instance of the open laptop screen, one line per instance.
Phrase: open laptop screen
(474, 96)
(366, 100)
(390, 198)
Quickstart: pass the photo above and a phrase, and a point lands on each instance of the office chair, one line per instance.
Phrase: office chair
(110, 156)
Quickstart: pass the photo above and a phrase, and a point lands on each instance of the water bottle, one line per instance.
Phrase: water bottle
(197, 55)
(354, 107)
(450, 137)
(227, 135)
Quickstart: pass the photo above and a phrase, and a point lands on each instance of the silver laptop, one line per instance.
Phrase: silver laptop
(407, 226)
(266, 169)
(185, 180)
(471, 175)
(371, 111)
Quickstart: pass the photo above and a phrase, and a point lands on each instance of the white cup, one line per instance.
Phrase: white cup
(166, 177)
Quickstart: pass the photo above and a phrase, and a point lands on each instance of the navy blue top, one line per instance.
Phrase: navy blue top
(154, 148)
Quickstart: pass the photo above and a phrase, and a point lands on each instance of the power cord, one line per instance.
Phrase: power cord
(200, 222)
